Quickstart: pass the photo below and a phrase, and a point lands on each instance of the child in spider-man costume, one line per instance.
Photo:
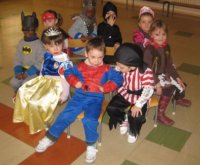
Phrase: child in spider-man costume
(91, 78)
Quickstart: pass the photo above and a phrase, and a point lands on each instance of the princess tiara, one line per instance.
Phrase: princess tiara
(52, 32)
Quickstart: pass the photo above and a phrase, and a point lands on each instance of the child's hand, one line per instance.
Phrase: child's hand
(83, 38)
(135, 111)
(78, 85)
(24, 76)
(181, 83)
(19, 76)
(158, 89)
(116, 45)
(101, 89)
(111, 20)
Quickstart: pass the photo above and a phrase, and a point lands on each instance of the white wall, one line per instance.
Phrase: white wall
(177, 9)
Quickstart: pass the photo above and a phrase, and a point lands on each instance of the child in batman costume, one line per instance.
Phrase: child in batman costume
(29, 53)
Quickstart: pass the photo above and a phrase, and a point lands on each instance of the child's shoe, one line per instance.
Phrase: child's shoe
(44, 144)
(124, 126)
(91, 154)
(184, 102)
(132, 138)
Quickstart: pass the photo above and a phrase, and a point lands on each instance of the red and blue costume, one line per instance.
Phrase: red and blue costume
(87, 99)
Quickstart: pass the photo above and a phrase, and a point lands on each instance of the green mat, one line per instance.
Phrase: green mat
(171, 137)
(189, 68)
(127, 162)
(183, 34)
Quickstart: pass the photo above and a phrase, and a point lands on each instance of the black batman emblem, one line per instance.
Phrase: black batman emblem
(26, 50)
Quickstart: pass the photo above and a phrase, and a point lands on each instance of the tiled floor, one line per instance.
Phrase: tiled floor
(177, 145)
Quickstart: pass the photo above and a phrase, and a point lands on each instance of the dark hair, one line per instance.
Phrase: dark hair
(158, 24)
(96, 43)
(56, 39)
(57, 16)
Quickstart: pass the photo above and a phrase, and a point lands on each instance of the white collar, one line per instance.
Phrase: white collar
(61, 57)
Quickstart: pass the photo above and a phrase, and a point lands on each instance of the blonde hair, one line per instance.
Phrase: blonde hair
(158, 24)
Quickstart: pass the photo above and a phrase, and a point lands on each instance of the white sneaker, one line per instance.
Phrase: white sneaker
(132, 138)
(44, 144)
(91, 154)
(124, 126)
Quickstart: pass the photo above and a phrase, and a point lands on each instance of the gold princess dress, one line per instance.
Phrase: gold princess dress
(36, 100)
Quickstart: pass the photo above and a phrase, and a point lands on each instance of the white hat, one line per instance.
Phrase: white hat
(146, 9)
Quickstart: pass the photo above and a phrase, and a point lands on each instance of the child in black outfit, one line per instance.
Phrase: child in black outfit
(108, 30)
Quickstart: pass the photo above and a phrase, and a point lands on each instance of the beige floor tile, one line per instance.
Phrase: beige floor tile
(113, 146)
(197, 130)
(6, 95)
(148, 153)
(192, 147)
(12, 150)
(186, 159)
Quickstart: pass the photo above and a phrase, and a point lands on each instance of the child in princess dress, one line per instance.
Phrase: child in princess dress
(37, 99)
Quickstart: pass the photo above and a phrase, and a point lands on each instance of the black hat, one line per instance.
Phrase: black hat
(29, 22)
(109, 6)
(131, 55)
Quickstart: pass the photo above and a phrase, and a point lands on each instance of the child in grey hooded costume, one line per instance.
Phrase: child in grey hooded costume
(84, 26)
(29, 53)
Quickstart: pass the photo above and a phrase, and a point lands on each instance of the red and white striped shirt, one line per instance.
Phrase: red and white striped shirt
(135, 80)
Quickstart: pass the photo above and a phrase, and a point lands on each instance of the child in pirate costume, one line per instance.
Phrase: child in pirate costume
(51, 18)
(29, 53)
(158, 57)
(37, 99)
(109, 31)
(84, 26)
(141, 35)
(91, 78)
(134, 94)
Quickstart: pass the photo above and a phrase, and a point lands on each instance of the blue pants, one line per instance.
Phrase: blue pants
(91, 106)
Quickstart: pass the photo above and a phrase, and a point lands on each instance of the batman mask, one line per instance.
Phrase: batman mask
(29, 22)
